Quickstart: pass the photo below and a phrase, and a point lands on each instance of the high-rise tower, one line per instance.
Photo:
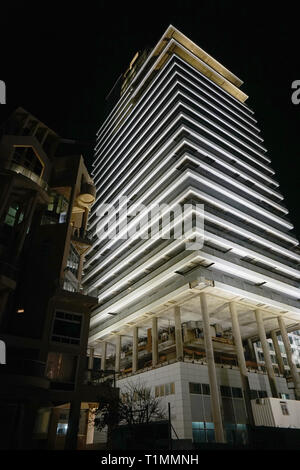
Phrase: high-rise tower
(184, 319)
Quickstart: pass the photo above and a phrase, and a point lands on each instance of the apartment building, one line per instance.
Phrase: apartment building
(181, 314)
(46, 394)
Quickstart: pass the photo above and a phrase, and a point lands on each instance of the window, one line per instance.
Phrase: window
(203, 431)
(61, 367)
(62, 429)
(66, 328)
(237, 392)
(205, 389)
(258, 394)
(284, 408)
(164, 390)
(73, 261)
(14, 215)
(273, 359)
(57, 209)
(225, 391)
(195, 388)
(285, 396)
(170, 389)
(261, 357)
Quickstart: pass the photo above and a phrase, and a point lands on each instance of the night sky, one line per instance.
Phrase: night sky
(60, 60)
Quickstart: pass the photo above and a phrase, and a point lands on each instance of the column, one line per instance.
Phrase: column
(288, 350)
(266, 351)
(135, 349)
(154, 335)
(91, 364)
(103, 358)
(118, 353)
(214, 389)
(73, 425)
(178, 334)
(241, 361)
(277, 352)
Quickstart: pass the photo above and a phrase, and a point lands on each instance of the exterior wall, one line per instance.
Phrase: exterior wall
(185, 407)
(269, 413)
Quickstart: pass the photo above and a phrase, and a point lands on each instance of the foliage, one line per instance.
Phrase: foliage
(135, 405)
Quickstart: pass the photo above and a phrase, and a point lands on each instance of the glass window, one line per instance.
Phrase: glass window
(66, 328)
(205, 389)
(253, 394)
(14, 215)
(57, 209)
(61, 367)
(62, 429)
(225, 391)
(195, 388)
(73, 261)
(237, 392)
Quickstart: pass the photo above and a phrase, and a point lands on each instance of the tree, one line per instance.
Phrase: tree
(135, 405)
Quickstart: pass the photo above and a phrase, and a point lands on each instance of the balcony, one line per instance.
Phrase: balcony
(27, 173)
(82, 238)
(24, 372)
(72, 286)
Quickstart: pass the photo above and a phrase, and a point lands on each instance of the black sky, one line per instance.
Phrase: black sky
(60, 60)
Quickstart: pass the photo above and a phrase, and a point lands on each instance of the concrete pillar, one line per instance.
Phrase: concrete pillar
(214, 389)
(277, 352)
(266, 351)
(288, 350)
(103, 357)
(135, 349)
(73, 425)
(178, 334)
(154, 334)
(118, 353)
(91, 364)
(241, 361)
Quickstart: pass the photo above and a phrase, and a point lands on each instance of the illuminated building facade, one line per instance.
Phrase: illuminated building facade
(181, 320)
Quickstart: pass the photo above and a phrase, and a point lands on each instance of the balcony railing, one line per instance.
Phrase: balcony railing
(72, 286)
(97, 377)
(27, 173)
(79, 234)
